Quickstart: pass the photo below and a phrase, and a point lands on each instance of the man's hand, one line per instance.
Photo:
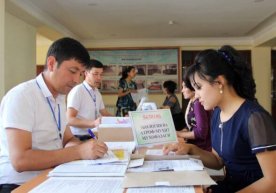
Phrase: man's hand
(92, 149)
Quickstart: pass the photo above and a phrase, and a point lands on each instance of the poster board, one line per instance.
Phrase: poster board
(154, 66)
(153, 127)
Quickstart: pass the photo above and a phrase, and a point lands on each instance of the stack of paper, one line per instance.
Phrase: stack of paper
(74, 184)
(110, 165)
(115, 129)
(175, 178)
(125, 145)
(183, 189)
(169, 165)
(115, 120)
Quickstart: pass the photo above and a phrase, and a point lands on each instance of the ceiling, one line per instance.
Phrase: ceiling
(146, 19)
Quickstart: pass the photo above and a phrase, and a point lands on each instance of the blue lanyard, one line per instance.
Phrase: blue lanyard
(93, 97)
(58, 123)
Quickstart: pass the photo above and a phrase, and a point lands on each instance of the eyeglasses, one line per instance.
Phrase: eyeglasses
(97, 75)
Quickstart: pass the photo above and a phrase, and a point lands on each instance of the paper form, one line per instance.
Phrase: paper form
(129, 145)
(109, 157)
(115, 120)
(73, 185)
(73, 170)
(120, 154)
(139, 95)
(169, 165)
(157, 152)
(135, 163)
(183, 189)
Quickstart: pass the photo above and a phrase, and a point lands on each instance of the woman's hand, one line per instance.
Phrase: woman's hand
(179, 148)
(181, 133)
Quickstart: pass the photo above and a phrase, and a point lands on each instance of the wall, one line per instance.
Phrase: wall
(2, 49)
(261, 63)
(20, 49)
(41, 53)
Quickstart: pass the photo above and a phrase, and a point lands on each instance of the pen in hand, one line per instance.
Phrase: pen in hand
(93, 136)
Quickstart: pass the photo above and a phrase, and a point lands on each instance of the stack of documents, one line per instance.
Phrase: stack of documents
(167, 175)
(110, 165)
(115, 129)
(183, 189)
(125, 145)
(77, 184)
(169, 165)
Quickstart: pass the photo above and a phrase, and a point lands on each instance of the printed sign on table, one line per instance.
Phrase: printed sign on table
(153, 127)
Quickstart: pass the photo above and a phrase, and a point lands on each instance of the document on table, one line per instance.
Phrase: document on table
(183, 189)
(126, 145)
(169, 165)
(84, 184)
(109, 157)
(89, 168)
(136, 163)
(115, 120)
(157, 152)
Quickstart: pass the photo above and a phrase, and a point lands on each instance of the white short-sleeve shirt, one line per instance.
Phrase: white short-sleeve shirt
(25, 107)
(87, 101)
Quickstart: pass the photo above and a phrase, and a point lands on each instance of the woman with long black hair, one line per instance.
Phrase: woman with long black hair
(243, 133)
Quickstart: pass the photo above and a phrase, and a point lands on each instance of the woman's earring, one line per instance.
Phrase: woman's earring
(220, 89)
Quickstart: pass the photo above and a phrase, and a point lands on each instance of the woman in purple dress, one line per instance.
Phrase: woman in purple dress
(197, 119)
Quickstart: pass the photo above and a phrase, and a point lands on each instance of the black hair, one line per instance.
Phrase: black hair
(170, 86)
(209, 64)
(67, 49)
(125, 72)
(94, 64)
(186, 78)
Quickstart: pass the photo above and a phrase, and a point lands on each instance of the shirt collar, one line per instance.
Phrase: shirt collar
(88, 86)
(45, 90)
(43, 87)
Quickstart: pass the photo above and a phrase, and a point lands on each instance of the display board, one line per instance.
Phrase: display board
(154, 66)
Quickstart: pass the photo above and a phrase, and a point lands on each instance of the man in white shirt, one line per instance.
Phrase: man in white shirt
(85, 104)
(33, 126)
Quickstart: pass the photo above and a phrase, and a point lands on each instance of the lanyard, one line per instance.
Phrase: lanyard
(93, 97)
(58, 123)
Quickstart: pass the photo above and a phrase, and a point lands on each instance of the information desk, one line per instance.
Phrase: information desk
(43, 176)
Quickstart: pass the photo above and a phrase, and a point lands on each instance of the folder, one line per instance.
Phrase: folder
(171, 178)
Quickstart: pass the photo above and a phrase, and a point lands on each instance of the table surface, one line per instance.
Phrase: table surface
(24, 188)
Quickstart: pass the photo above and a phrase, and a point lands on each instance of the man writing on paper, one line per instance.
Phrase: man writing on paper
(33, 126)
(85, 104)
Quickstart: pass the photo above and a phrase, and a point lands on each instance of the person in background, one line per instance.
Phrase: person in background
(197, 130)
(171, 102)
(243, 133)
(127, 86)
(85, 104)
(33, 127)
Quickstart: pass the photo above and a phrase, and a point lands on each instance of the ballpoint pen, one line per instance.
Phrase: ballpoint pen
(92, 134)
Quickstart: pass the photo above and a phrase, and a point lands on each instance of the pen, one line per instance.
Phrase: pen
(94, 137)
(90, 132)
